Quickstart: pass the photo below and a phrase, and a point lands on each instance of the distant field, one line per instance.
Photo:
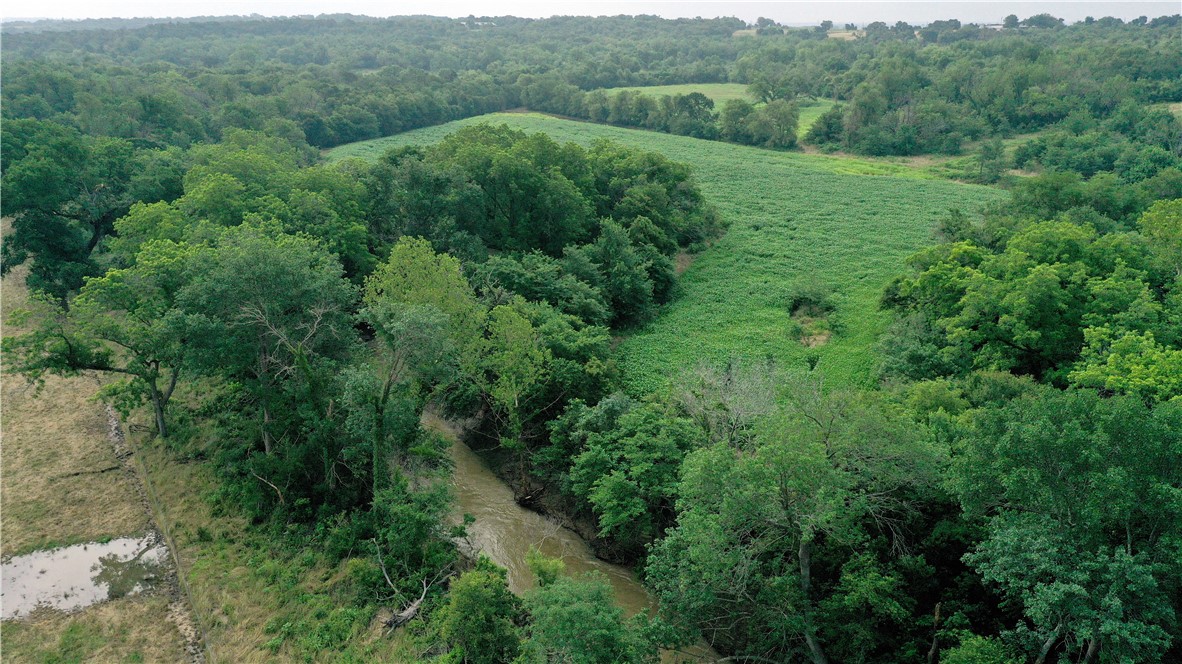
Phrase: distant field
(795, 219)
(809, 112)
(845, 35)
(1171, 106)
(719, 92)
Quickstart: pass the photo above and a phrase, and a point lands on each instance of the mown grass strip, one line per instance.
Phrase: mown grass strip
(719, 92)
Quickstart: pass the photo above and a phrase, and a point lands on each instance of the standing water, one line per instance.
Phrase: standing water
(74, 577)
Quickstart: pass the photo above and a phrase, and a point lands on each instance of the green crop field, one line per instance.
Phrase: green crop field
(796, 219)
(719, 92)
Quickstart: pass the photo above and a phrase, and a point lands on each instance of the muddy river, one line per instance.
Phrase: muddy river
(505, 531)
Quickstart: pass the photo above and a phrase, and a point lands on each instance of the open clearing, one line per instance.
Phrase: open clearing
(796, 220)
(132, 629)
(810, 110)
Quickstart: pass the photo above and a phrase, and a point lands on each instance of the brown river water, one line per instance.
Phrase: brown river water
(505, 532)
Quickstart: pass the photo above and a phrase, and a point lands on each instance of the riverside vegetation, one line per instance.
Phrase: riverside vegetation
(831, 407)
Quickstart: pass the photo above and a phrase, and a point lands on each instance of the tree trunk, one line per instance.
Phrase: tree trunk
(380, 468)
(264, 392)
(934, 651)
(806, 586)
(1093, 650)
(1048, 644)
(158, 409)
(266, 429)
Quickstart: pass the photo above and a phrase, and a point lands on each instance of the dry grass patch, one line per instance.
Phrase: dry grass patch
(131, 629)
(845, 35)
(62, 482)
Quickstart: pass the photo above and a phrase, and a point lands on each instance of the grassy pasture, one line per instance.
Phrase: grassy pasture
(129, 629)
(719, 92)
(796, 219)
(53, 442)
(810, 110)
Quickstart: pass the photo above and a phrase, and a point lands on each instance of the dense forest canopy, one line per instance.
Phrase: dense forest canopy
(1008, 491)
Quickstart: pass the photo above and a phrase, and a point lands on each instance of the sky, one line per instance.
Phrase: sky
(787, 12)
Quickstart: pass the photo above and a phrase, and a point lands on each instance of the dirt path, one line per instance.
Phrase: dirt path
(180, 609)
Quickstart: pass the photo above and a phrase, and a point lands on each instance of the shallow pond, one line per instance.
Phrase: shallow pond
(73, 577)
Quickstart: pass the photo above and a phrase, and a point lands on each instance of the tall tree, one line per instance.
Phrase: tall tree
(126, 322)
(264, 308)
(828, 472)
(576, 620)
(1083, 534)
(64, 192)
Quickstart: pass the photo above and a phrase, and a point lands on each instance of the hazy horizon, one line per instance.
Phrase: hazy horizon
(791, 12)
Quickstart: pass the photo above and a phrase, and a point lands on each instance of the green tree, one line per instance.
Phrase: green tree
(64, 192)
(263, 308)
(415, 275)
(126, 322)
(145, 222)
(516, 365)
(828, 128)
(629, 473)
(480, 618)
(774, 125)
(1081, 534)
(540, 278)
(621, 271)
(975, 649)
(1129, 364)
(576, 620)
(739, 565)
(1162, 225)
(531, 197)
(990, 161)
(733, 121)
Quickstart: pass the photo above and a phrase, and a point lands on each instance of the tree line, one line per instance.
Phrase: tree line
(902, 89)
